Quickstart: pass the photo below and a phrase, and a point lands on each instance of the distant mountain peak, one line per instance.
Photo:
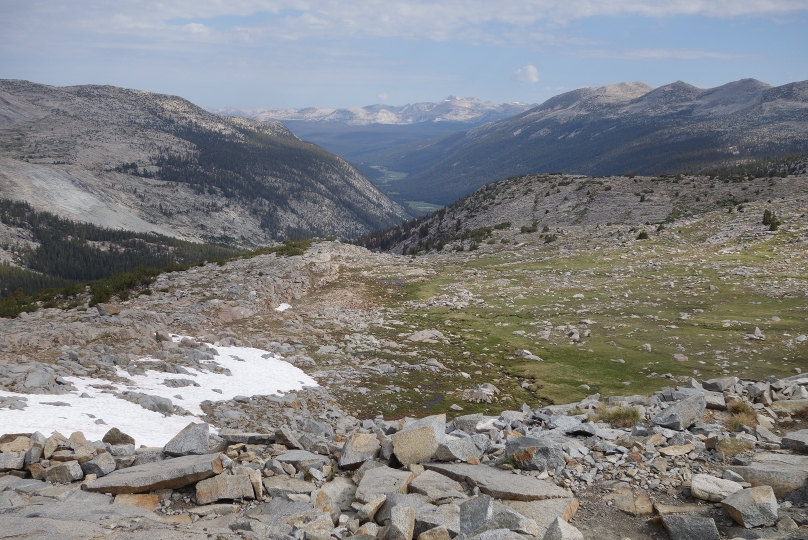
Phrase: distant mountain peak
(468, 111)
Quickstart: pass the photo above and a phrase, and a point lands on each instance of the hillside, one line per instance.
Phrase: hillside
(616, 129)
(549, 203)
(148, 162)
(39, 250)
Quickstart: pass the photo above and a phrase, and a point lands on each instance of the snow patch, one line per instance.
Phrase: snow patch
(252, 372)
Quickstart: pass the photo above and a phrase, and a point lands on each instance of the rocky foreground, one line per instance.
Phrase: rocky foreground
(386, 336)
(522, 474)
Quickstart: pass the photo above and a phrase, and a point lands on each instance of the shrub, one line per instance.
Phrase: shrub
(642, 236)
(533, 228)
(770, 219)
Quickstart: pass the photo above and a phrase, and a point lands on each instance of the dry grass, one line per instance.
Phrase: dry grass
(801, 415)
(622, 417)
(741, 414)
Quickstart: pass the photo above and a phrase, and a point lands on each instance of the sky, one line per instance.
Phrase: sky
(343, 53)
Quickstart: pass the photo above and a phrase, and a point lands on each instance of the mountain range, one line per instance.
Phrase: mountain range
(470, 111)
(146, 162)
(620, 128)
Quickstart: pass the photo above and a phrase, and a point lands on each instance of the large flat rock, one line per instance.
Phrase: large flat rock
(785, 473)
(381, 481)
(790, 406)
(501, 484)
(170, 473)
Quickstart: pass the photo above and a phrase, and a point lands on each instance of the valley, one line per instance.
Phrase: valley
(519, 337)
(626, 128)
(586, 355)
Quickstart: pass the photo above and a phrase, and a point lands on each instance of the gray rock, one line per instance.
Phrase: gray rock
(468, 422)
(785, 473)
(170, 473)
(9, 499)
(392, 500)
(179, 383)
(368, 511)
(687, 527)
(500, 484)
(461, 449)
(101, 465)
(507, 518)
(561, 530)
(446, 515)
(498, 534)
(359, 447)
(752, 507)
(535, 454)
(38, 379)
(710, 488)
(402, 523)
(683, 414)
(544, 512)
(122, 449)
(283, 486)
(302, 459)
(287, 437)
(151, 403)
(797, 441)
(11, 461)
(766, 434)
(721, 384)
(64, 472)
(436, 487)
(234, 437)
(224, 486)
(419, 440)
(192, 440)
(475, 513)
(790, 406)
(148, 455)
(342, 492)
(381, 481)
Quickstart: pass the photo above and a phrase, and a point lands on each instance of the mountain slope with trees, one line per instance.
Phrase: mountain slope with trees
(148, 162)
(622, 128)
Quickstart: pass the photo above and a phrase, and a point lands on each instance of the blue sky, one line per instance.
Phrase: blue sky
(340, 53)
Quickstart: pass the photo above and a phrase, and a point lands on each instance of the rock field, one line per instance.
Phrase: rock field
(598, 386)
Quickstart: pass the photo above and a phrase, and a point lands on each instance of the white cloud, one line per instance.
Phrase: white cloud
(527, 74)
(196, 28)
(664, 54)
(383, 96)
(462, 20)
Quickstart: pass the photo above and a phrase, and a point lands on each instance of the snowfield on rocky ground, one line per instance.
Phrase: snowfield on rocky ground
(253, 372)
